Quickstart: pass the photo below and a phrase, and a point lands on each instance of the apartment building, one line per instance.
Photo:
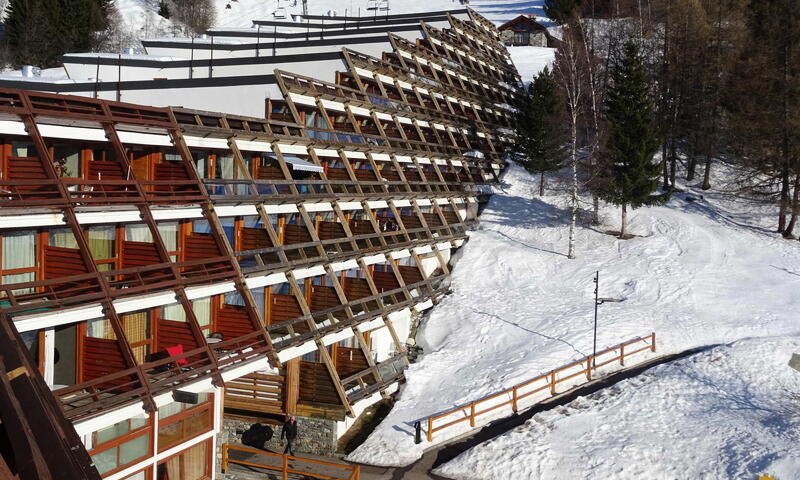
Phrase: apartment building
(165, 270)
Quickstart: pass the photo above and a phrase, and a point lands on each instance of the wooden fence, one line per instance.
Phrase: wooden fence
(348, 472)
(546, 382)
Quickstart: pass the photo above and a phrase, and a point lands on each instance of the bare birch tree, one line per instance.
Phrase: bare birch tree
(572, 80)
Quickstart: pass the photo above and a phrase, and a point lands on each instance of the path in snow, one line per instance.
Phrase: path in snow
(519, 307)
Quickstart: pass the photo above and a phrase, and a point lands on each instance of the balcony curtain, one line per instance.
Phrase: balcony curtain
(169, 235)
(19, 251)
(173, 312)
(137, 329)
(100, 328)
(138, 233)
(202, 311)
(195, 462)
(225, 167)
(101, 242)
(62, 237)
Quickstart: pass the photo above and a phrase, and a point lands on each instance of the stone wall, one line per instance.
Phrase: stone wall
(314, 435)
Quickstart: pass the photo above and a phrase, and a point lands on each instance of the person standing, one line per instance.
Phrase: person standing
(289, 432)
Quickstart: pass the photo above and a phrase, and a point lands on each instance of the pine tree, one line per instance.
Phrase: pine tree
(560, 11)
(632, 139)
(39, 31)
(541, 134)
(163, 9)
(27, 33)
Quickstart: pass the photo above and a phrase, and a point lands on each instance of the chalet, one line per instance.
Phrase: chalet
(526, 31)
(168, 274)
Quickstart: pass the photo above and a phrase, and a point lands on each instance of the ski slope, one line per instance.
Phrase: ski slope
(700, 273)
(731, 412)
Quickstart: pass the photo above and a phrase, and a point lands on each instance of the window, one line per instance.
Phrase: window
(67, 160)
(179, 422)
(138, 330)
(202, 164)
(100, 328)
(169, 235)
(121, 444)
(225, 166)
(142, 475)
(201, 226)
(18, 252)
(172, 157)
(102, 243)
(138, 233)
(174, 312)
(312, 357)
(61, 237)
(202, 312)
(22, 149)
(229, 227)
(191, 464)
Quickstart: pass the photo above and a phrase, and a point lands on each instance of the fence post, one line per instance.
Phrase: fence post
(653, 346)
(472, 414)
(224, 457)
(514, 399)
(430, 429)
(622, 354)
(589, 368)
(285, 467)
(553, 383)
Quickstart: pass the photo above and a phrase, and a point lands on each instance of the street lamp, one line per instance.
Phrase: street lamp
(597, 302)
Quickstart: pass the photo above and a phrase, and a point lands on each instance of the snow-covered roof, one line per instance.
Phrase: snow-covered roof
(115, 56)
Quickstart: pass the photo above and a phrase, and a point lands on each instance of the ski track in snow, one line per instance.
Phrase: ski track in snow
(519, 307)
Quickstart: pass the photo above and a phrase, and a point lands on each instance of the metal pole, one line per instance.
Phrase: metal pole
(191, 60)
(596, 304)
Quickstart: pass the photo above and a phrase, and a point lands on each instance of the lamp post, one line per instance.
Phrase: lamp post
(597, 302)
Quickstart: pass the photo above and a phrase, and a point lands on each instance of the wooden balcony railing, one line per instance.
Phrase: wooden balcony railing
(334, 319)
(44, 295)
(340, 249)
(123, 388)
(363, 384)
(30, 193)
(343, 190)
(256, 392)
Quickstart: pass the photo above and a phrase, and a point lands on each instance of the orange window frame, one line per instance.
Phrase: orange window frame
(207, 406)
(116, 442)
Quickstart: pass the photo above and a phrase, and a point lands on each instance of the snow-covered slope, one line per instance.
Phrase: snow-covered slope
(700, 273)
(731, 412)
(140, 16)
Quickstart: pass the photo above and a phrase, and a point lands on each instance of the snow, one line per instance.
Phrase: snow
(141, 18)
(700, 273)
(730, 412)
(531, 60)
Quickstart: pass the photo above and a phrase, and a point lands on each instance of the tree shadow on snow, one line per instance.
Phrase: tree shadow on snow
(529, 330)
(527, 213)
(713, 213)
(527, 245)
